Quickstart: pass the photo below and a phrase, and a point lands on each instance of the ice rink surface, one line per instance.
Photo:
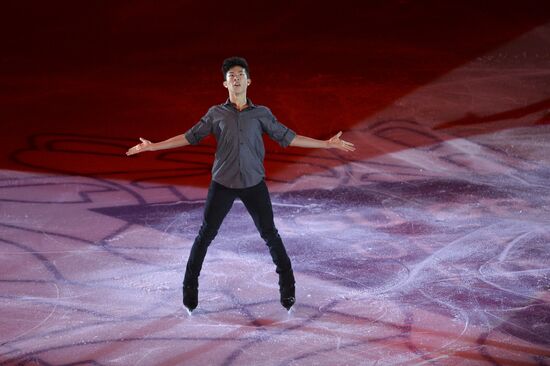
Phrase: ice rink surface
(429, 245)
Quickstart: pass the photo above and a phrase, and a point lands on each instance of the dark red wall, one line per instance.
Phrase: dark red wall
(123, 69)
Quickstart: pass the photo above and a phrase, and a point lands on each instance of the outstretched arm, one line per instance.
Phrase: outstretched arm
(333, 143)
(146, 145)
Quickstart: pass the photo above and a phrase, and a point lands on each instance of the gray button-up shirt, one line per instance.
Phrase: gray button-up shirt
(240, 149)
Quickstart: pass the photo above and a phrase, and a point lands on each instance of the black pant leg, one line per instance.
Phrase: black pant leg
(218, 203)
(258, 203)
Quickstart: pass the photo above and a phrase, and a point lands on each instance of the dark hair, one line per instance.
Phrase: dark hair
(230, 62)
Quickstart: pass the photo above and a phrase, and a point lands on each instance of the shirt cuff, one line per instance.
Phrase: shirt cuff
(190, 136)
(287, 138)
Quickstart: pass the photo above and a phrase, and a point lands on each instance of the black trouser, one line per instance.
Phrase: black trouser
(218, 203)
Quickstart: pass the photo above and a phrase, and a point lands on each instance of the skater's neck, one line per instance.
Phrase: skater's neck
(239, 101)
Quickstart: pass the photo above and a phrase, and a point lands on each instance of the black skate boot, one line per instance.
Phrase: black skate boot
(190, 297)
(288, 297)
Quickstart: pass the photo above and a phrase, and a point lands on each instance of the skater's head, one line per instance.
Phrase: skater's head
(231, 62)
(236, 75)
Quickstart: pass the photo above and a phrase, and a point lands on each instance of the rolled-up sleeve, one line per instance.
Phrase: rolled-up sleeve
(277, 131)
(199, 131)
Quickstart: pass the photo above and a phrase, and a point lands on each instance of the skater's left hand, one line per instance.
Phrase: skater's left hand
(337, 143)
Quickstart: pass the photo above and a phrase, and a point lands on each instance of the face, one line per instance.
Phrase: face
(236, 80)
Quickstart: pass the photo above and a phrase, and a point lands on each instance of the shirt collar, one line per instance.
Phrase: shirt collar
(248, 102)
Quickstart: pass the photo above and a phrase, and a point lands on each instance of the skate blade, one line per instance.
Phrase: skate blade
(290, 311)
(189, 312)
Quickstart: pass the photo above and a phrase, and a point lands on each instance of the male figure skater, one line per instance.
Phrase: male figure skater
(238, 172)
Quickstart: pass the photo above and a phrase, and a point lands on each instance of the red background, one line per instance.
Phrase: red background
(124, 69)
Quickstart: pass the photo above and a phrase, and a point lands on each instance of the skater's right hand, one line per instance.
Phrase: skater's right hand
(145, 145)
